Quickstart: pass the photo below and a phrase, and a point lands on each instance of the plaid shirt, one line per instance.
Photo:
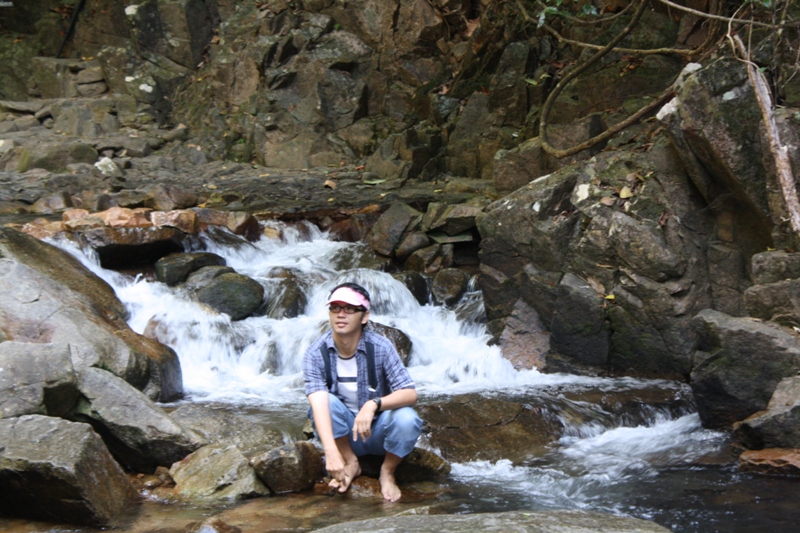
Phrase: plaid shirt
(389, 370)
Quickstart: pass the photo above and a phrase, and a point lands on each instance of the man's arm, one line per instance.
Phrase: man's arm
(334, 463)
(395, 400)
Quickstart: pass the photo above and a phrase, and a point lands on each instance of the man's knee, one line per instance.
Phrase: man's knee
(406, 419)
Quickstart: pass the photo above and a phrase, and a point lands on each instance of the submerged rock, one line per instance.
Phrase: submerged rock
(216, 472)
(61, 471)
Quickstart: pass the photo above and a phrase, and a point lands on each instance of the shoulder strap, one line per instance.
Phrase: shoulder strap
(323, 349)
(373, 377)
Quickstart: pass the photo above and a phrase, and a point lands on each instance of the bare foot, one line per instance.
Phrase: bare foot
(389, 488)
(351, 471)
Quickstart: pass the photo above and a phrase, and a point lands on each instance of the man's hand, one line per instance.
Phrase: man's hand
(363, 424)
(334, 464)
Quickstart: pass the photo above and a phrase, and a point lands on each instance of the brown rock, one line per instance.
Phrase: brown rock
(184, 220)
(290, 468)
(780, 461)
(122, 217)
(74, 214)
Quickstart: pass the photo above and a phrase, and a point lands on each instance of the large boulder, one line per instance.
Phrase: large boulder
(36, 379)
(175, 268)
(50, 297)
(218, 426)
(473, 428)
(137, 432)
(741, 362)
(233, 294)
(779, 425)
(290, 468)
(529, 522)
(216, 472)
(58, 470)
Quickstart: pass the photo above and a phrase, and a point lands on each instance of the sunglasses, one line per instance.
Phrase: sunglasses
(348, 309)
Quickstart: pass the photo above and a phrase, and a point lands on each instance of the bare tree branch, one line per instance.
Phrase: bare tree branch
(729, 20)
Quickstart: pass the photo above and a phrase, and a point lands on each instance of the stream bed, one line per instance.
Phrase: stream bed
(649, 461)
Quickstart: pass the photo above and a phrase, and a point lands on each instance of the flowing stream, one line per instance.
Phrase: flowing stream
(656, 463)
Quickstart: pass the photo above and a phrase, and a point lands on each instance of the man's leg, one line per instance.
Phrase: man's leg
(342, 420)
(396, 433)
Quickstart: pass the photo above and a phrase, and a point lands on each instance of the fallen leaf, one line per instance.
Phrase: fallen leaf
(373, 182)
(211, 186)
(360, 167)
(330, 199)
(215, 39)
(263, 175)
(330, 184)
(611, 297)
(595, 284)
(609, 201)
(625, 192)
(662, 220)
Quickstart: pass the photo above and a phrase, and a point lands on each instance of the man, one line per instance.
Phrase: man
(358, 407)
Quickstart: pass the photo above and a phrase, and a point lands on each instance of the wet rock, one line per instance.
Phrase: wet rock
(579, 327)
(473, 428)
(222, 427)
(287, 299)
(47, 287)
(216, 472)
(430, 259)
(122, 217)
(772, 267)
(416, 284)
(389, 229)
(727, 384)
(137, 432)
(531, 522)
(448, 285)
(36, 379)
(771, 461)
(203, 276)
(525, 340)
(233, 294)
(238, 222)
(400, 340)
(419, 465)
(175, 268)
(211, 525)
(779, 425)
(60, 470)
(290, 468)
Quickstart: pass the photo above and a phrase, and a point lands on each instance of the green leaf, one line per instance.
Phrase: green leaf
(531, 82)
(372, 182)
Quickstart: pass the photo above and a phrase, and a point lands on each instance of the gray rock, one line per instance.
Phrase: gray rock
(388, 230)
(287, 299)
(416, 284)
(517, 521)
(741, 362)
(454, 219)
(779, 425)
(216, 472)
(448, 285)
(68, 304)
(233, 294)
(419, 465)
(779, 302)
(579, 327)
(414, 241)
(137, 432)
(223, 427)
(771, 267)
(36, 379)
(59, 470)
(290, 468)
(166, 198)
(203, 276)
(54, 156)
(175, 268)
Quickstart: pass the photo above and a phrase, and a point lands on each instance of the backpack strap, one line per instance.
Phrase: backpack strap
(323, 349)
(372, 375)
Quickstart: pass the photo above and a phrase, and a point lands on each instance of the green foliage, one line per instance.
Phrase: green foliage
(555, 8)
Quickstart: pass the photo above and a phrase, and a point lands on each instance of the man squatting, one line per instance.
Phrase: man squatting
(350, 417)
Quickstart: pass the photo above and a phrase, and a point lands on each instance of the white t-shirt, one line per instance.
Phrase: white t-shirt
(347, 371)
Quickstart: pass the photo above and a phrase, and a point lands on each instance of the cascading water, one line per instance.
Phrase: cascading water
(603, 461)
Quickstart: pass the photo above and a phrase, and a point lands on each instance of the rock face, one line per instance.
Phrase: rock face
(233, 294)
(138, 433)
(530, 522)
(60, 470)
(741, 363)
(49, 297)
(779, 425)
(36, 379)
